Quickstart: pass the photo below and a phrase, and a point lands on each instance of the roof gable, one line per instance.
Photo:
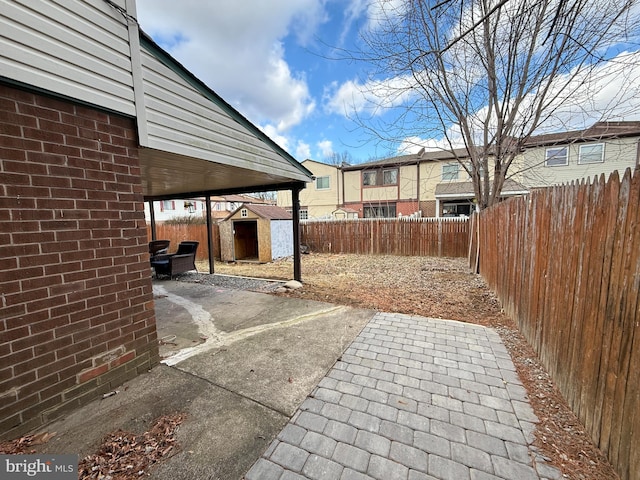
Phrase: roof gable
(268, 212)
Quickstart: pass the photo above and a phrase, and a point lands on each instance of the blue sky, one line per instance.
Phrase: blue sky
(272, 60)
(276, 62)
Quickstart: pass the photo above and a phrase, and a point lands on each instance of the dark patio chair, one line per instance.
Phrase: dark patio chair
(158, 247)
(173, 264)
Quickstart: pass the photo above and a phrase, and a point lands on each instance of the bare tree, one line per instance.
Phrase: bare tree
(339, 159)
(486, 74)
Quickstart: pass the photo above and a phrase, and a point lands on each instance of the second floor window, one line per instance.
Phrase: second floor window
(322, 183)
(450, 171)
(591, 153)
(369, 178)
(387, 176)
(556, 156)
(390, 176)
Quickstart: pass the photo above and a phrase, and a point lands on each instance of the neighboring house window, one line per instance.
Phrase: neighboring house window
(450, 171)
(373, 178)
(591, 153)
(390, 177)
(244, 213)
(556, 156)
(369, 178)
(304, 214)
(322, 183)
(387, 210)
(480, 166)
(168, 205)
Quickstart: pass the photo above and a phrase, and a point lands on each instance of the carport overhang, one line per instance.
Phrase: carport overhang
(167, 176)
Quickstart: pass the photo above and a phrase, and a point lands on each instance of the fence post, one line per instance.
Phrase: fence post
(439, 237)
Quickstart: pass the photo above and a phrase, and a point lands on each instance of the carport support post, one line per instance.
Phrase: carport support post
(295, 200)
(152, 217)
(207, 201)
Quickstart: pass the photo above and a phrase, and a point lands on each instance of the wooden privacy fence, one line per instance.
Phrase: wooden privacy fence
(188, 232)
(565, 263)
(442, 237)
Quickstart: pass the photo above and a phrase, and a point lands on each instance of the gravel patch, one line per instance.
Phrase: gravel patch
(232, 282)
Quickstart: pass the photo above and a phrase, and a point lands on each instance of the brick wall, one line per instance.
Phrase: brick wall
(428, 208)
(406, 207)
(76, 303)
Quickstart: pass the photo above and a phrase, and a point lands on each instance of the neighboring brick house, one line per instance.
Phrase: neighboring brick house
(433, 184)
(83, 103)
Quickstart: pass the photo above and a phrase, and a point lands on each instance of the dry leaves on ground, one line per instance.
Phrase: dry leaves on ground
(23, 445)
(127, 456)
(445, 288)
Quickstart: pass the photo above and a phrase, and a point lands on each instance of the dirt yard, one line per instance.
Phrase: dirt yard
(443, 288)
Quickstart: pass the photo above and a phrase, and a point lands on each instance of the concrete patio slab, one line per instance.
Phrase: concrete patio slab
(237, 363)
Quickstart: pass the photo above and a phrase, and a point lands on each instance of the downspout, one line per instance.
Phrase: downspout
(136, 73)
(297, 267)
(338, 170)
(418, 186)
(342, 176)
(207, 200)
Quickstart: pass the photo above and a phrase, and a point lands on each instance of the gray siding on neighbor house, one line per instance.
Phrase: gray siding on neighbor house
(75, 48)
(182, 120)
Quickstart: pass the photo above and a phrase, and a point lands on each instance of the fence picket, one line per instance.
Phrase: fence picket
(575, 296)
(447, 237)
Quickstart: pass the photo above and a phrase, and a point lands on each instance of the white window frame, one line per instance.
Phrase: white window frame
(551, 157)
(303, 214)
(448, 175)
(319, 187)
(581, 155)
(244, 213)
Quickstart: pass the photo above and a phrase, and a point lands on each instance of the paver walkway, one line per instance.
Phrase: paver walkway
(412, 398)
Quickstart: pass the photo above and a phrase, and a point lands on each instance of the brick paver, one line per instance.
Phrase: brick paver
(412, 398)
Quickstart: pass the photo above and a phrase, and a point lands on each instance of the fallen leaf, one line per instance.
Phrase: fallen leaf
(40, 438)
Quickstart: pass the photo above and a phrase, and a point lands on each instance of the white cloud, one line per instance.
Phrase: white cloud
(373, 97)
(326, 148)
(378, 11)
(303, 151)
(236, 49)
(272, 132)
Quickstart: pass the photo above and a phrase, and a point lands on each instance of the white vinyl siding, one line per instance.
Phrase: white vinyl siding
(182, 120)
(591, 154)
(75, 48)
